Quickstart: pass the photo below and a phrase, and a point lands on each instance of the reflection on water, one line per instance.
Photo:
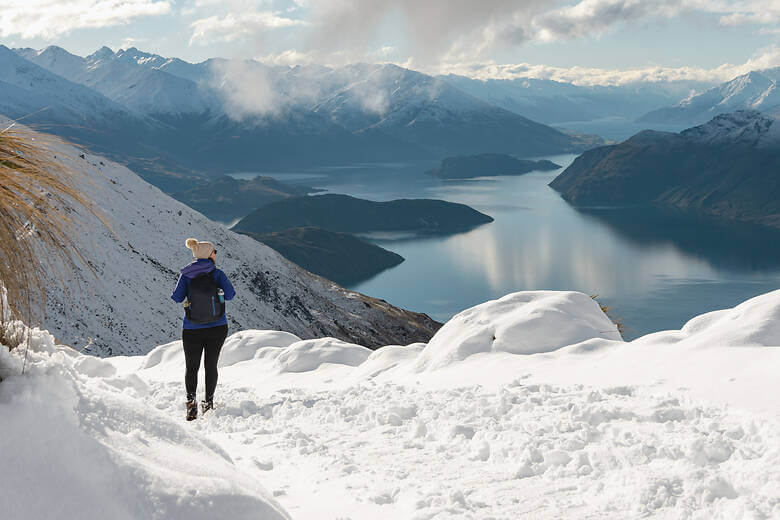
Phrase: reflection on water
(724, 245)
(655, 270)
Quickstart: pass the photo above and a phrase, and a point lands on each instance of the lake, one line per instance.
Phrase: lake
(655, 271)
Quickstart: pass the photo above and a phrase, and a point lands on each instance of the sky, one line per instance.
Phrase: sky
(581, 41)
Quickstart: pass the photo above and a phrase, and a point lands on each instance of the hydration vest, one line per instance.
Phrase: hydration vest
(204, 300)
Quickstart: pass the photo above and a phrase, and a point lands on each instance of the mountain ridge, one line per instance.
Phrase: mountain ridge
(724, 169)
(754, 90)
(208, 123)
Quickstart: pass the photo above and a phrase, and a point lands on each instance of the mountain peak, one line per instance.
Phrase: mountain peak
(101, 53)
(54, 49)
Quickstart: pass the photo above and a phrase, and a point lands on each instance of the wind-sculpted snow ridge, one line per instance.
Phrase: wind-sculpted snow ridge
(125, 308)
(519, 323)
(676, 424)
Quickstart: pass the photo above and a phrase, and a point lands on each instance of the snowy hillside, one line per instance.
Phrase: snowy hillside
(126, 309)
(756, 90)
(524, 407)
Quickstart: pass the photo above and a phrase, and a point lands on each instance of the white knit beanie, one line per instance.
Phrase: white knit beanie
(199, 249)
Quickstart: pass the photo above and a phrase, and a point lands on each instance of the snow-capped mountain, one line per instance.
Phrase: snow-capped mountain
(417, 108)
(33, 92)
(756, 90)
(119, 77)
(125, 308)
(195, 72)
(231, 115)
(43, 99)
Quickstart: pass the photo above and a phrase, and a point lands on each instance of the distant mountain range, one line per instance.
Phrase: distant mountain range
(45, 100)
(173, 121)
(727, 168)
(550, 102)
(756, 90)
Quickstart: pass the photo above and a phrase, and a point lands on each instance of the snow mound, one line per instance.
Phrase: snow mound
(527, 322)
(247, 344)
(168, 354)
(307, 355)
(88, 445)
(755, 322)
(385, 359)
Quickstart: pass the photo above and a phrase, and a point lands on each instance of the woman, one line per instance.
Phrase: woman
(206, 289)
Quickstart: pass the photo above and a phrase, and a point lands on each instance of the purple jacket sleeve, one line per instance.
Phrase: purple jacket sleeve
(225, 285)
(181, 290)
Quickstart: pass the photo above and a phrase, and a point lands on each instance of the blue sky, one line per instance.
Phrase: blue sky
(586, 41)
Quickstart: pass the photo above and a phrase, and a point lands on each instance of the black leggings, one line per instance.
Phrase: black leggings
(195, 342)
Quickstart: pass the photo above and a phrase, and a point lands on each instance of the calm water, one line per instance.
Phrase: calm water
(655, 271)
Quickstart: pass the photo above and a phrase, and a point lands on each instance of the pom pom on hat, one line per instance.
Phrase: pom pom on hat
(199, 249)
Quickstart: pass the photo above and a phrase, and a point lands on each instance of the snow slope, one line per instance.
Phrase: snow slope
(742, 127)
(125, 308)
(677, 424)
(88, 445)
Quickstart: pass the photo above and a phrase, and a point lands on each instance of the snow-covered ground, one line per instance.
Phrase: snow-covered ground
(525, 407)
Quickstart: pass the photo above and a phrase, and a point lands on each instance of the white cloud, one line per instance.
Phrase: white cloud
(464, 30)
(762, 18)
(594, 17)
(289, 58)
(431, 28)
(246, 89)
(233, 27)
(766, 58)
(51, 18)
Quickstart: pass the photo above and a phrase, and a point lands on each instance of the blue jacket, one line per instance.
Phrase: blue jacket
(204, 265)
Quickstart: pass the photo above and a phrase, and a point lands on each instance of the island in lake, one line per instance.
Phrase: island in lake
(346, 214)
(226, 198)
(488, 164)
(341, 257)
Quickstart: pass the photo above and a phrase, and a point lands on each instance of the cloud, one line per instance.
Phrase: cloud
(430, 29)
(594, 17)
(289, 58)
(50, 18)
(461, 30)
(246, 89)
(233, 27)
(762, 18)
(765, 58)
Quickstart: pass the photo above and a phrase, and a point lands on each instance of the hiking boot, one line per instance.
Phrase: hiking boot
(206, 405)
(192, 410)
